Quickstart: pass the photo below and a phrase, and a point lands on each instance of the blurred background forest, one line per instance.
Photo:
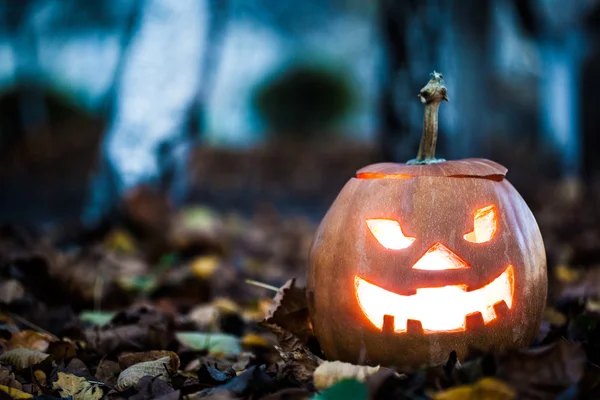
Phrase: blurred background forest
(156, 155)
(245, 103)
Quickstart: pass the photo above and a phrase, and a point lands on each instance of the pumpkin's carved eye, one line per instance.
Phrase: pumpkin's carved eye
(484, 225)
(389, 234)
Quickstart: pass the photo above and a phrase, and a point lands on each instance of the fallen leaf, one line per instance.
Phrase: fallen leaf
(76, 367)
(486, 388)
(290, 311)
(23, 358)
(10, 291)
(7, 378)
(62, 350)
(254, 340)
(249, 384)
(40, 377)
(120, 241)
(96, 317)
(543, 372)
(158, 368)
(328, 373)
(140, 327)
(212, 342)
(224, 305)
(32, 340)
(585, 284)
(150, 387)
(204, 267)
(15, 393)
(554, 317)
(344, 389)
(299, 365)
(212, 376)
(287, 341)
(565, 274)
(77, 387)
(108, 371)
(127, 360)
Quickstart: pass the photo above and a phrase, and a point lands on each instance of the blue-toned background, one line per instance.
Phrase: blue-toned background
(237, 103)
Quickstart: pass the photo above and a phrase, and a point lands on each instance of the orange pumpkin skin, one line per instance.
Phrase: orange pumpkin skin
(432, 204)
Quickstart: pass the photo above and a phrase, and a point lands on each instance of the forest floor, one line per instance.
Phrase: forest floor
(191, 303)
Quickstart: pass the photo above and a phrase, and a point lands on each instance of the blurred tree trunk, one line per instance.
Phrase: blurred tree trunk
(176, 180)
(393, 22)
(157, 84)
(420, 37)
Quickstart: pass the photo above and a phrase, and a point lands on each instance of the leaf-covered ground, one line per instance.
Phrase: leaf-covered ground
(172, 304)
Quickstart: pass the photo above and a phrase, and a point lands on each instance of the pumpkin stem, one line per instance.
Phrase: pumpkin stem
(431, 95)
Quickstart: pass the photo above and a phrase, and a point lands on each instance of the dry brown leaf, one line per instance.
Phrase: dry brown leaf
(299, 365)
(331, 372)
(127, 360)
(76, 387)
(290, 311)
(543, 372)
(486, 388)
(128, 337)
(11, 290)
(29, 339)
(158, 368)
(7, 378)
(287, 341)
(63, 350)
(23, 358)
(107, 372)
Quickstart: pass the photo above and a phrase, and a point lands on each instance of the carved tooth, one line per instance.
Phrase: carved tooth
(388, 324)
(414, 326)
(474, 321)
(501, 309)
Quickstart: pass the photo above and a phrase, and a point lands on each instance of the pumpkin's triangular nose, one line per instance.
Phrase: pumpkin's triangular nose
(438, 258)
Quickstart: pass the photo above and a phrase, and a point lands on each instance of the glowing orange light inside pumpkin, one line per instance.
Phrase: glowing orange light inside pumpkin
(485, 222)
(389, 234)
(438, 309)
(439, 258)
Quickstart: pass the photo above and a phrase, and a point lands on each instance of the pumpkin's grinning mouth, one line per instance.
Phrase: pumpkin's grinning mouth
(438, 309)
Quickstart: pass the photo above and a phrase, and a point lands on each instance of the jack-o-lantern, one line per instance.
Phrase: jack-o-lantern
(415, 260)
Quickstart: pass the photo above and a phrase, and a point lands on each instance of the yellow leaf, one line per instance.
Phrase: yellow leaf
(40, 377)
(253, 340)
(486, 388)
(15, 393)
(331, 372)
(120, 241)
(567, 275)
(77, 387)
(224, 305)
(554, 316)
(204, 267)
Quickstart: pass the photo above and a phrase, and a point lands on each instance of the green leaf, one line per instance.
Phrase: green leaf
(140, 283)
(199, 218)
(346, 389)
(96, 317)
(213, 342)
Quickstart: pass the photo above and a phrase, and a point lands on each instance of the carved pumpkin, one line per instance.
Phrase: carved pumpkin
(415, 260)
